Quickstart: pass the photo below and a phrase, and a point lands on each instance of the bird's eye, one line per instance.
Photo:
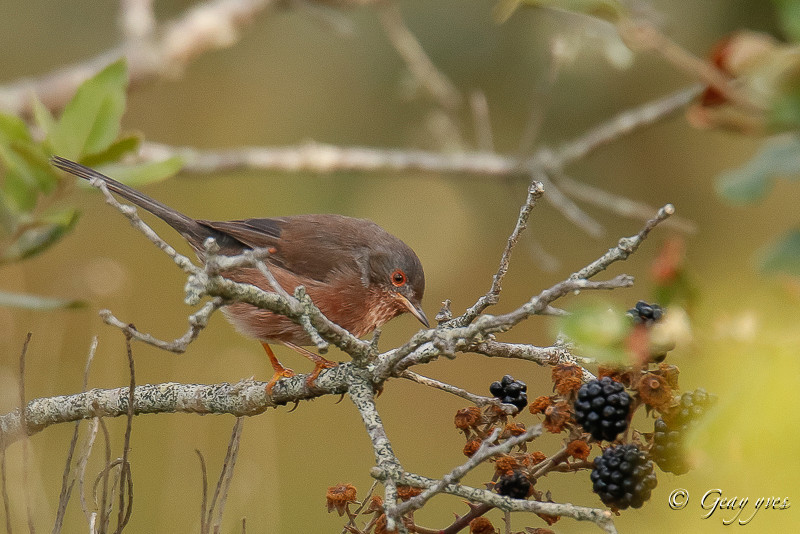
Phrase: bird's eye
(398, 278)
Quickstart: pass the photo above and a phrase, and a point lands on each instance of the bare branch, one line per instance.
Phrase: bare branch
(602, 518)
(322, 158)
(424, 70)
(211, 25)
(484, 452)
(535, 191)
(464, 394)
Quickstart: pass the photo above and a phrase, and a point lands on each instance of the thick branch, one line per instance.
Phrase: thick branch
(244, 398)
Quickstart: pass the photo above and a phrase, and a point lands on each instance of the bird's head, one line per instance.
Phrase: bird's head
(397, 273)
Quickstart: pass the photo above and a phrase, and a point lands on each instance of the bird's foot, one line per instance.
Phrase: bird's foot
(280, 374)
(319, 365)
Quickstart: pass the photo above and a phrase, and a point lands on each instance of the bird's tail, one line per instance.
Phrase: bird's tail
(183, 224)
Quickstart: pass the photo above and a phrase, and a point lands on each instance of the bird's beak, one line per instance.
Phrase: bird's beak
(415, 309)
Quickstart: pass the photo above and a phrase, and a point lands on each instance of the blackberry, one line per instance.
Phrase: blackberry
(510, 391)
(516, 485)
(668, 437)
(667, 451)
(623, 477)
(644, 313)
(602, 408)
(693, 405)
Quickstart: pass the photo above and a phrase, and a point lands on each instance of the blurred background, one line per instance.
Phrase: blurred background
(295, 77)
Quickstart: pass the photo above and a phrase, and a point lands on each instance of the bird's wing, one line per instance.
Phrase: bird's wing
(312, 246)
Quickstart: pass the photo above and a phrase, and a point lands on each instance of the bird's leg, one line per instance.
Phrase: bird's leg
(320, 363)
(280, 370)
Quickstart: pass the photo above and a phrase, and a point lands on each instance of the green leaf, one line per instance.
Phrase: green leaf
(115, 152)
(789, 17)
(782, 256)
(8, 219)
(778, 157)
(49, 230)
(37, 164)
(44, 119)
(12, 128)
(91, 120)
(19, 183)
(145, 173)
(35, 302)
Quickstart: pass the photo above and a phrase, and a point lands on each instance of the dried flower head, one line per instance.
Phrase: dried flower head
(578, 449)
(670, 374)
(536, 457)
(540, 404)
(556, 417)
(407, 492)
(567, 378)
(481, 525)
(467, 418)
(339, 496)
(505, 464)
(375, 504)
(472, 447)
(512, 429)
(654, 391)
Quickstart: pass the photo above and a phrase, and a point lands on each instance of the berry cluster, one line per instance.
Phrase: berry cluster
(644, 313)
(515, 485)
(510, 391)
(623, 477)
(602, 408)
(668, 451)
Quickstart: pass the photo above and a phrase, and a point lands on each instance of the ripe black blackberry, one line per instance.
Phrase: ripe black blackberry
(623, 477)
(510, 391)
(602, 408)
(644, 313)
(516, 485)
(668, 437)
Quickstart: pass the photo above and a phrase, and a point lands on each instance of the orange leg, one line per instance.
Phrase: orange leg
(320, 363)
(280, 370)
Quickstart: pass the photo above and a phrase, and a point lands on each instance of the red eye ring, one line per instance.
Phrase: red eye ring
(398, 278)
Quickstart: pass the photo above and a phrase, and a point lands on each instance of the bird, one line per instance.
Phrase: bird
(358, 274)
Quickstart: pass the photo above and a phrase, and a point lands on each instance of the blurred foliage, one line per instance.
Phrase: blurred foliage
(599, 330)
(607, 9)
(88, 130)
(778, 157)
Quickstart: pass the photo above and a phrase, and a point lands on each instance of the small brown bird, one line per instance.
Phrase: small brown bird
(357, 274)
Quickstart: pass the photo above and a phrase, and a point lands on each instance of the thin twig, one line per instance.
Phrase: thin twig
(464, 394)
(204, 485)
(83, 460)
(484, 452)
(105, 500)
(125, 483)
(66, 484)
(225, 477)
(3, 483)
(535, 191)
(424, 70)
(482, 121)
(23, 410)
(618, 204)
